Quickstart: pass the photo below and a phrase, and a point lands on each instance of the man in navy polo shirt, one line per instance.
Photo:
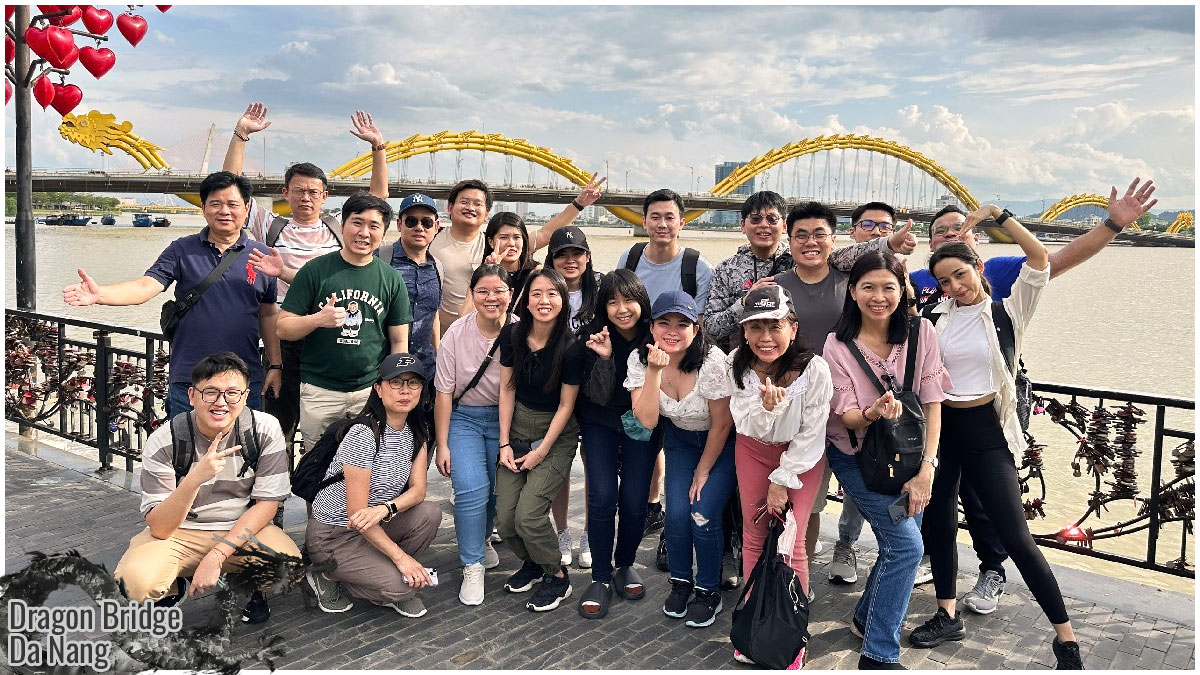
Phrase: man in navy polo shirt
(231, 315)
(417, 223)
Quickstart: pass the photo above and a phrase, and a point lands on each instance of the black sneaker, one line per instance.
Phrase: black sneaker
(523, 579)
(868, 663)
(938, 630)
(257, 610)
(1068, 655)
(550, 593)
(175, 599)
(677, 602)
(654, 518)
(703, 609)
(660, 558)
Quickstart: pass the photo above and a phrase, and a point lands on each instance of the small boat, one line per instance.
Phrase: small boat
(161, 221)
(142, 220)
(73, 219)
(108, 220)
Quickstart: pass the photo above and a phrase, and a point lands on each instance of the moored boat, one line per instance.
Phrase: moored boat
(108, 220)
(142, 220)
(162, 221)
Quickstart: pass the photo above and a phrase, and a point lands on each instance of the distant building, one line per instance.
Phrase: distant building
(944, 201)
(722, 171)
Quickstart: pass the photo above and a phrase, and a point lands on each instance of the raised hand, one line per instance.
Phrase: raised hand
(364, 128)
(903, 240)
(213, 461)
(591, 191)
(270, 264)
(254, 119)
(771, 395)
(497, 256)
(85, 292)
(332, 316)
(1127, 209)
(600, 344)
(656, 358)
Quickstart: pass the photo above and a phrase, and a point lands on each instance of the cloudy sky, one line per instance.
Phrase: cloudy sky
(1022, 102)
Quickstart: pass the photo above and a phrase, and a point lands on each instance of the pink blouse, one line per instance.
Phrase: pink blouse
(853, 389)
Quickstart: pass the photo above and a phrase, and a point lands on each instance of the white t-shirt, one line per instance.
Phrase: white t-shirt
(967, 352)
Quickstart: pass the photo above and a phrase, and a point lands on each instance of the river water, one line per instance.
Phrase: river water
(1124, 320)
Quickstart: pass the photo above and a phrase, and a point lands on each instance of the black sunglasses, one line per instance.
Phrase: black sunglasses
(426, 222)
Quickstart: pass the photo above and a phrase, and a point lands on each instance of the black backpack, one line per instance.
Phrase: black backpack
(309, 477)
(770, 619)
(687, 270)
(1007, 336)
(891, 449)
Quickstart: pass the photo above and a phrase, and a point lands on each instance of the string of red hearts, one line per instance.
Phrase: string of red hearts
(50, 37)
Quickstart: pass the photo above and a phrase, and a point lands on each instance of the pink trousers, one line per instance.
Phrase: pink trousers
(755, 461)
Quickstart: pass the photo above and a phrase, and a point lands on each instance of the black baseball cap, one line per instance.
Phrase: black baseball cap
(568, 237)
(395, 365)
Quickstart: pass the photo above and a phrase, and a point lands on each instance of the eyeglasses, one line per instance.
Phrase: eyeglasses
(311, 194)
(411, 384)
(757, 219)
(427, 223)
(488, 293)
(231, 396)
(802, 236)
(869, 225)
(469, 203)
(942, 229)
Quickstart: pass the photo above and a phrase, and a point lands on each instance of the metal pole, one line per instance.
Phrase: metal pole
(26, 259)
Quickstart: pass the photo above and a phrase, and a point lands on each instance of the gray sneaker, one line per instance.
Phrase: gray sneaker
(924, 572)
(986, 595)
(844, 568)
(331, 597)
(411, 607)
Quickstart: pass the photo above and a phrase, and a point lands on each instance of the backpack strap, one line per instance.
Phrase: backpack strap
(277, 226)
(635, 257)
(687, 271)
(246, 431)
(910, 362)
(183, 444)
(335, 227)
(1005, 333)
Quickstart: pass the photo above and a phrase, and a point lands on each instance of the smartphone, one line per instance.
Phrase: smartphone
(898, 509)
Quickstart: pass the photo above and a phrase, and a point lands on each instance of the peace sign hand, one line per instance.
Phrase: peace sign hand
(212, 462)
(591, 191)
(498, 255)
(771, 395)
(600, 344)
(656, 358)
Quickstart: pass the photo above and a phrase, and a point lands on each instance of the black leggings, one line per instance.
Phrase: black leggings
(973, 448)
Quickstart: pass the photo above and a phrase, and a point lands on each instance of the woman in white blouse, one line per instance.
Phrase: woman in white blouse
(680, 382)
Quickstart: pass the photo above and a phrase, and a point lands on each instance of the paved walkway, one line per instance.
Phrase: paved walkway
(53, 504)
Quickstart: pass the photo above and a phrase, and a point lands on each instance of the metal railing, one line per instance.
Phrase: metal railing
(108, 391)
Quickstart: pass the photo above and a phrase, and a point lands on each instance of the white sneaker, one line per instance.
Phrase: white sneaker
(491, 559)
(585, 551)
(564, 546)
(924, 572)
(471, 592)
(495, 537)
(818, 549)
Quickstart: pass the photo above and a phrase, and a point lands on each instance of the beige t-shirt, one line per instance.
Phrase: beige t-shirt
(458, 261)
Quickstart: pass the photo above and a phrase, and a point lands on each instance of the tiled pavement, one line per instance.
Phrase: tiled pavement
(50, 507)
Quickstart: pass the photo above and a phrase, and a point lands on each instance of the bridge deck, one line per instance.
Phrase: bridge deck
(1120, 624)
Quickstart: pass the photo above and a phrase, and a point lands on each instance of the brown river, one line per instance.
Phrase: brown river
(1124, 320)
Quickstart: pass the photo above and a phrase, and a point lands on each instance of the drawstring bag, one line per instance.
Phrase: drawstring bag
(634, 428)
(770, 620)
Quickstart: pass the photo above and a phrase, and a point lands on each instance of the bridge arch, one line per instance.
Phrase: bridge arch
(1082, 199)
(1184, 221)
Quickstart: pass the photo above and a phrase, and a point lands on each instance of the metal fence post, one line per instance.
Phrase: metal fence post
(1160, 419)
(103, 433)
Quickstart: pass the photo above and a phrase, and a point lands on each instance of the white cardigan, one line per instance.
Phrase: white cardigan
(1026, 291)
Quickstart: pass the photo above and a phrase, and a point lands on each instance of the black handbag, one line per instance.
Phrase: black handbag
(770, 620)
(173, 310)
(891, 450)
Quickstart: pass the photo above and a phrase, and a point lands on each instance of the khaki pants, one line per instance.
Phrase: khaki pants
(150, 566)
(320, 407)
(364, 570)
(523, 499)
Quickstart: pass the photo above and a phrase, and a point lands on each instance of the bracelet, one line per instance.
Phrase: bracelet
(224, 556)
(578, 207)
(1108, 222)
(244, 139)
(275, 366)
(381, 146)
(506, 445)
(868, 418)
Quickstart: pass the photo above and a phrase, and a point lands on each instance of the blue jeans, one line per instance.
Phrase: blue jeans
(177, 398)
(696, 525)
(618, 479)
(850, 523)
(474, 442)
(884, 601)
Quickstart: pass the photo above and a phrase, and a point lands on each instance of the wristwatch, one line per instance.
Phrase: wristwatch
(275, 366)
(1005, 214)
(931, 460)
(392, 511)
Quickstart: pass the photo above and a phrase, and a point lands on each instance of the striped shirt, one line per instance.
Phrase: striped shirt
(225, 497)
(390, 468)
(297, 244)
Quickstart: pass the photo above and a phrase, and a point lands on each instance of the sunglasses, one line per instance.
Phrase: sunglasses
(412, 222)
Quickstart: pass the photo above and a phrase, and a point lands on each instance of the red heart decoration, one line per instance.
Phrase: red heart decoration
(39, 43)
(97, 20)
(66, 98)
(97, 61)
(133, 27)
(48, 9)
(163, 8)
(8, 11)
(10, 49)
(73, 14)
(62, 44)
(43, 91)
(7, 91)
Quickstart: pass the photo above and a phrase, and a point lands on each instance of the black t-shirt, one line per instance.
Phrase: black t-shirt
(603, 397)
(536, 368)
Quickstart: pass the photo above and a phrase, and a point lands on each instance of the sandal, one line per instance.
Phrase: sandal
(595, 601)
(628, 584)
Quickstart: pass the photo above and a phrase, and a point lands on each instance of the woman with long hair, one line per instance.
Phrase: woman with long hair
(981, 433)
(617, 464)
(780, 403)
(506, 243)
(541, 370)
(678, 381)
(876, 324)
(467, 422)
(376, 522)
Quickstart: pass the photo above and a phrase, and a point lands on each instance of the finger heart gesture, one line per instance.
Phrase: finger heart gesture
(656, 358)
(771, 394)
(599, 343)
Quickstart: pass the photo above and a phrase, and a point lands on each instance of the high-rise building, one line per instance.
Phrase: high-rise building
(722, 171)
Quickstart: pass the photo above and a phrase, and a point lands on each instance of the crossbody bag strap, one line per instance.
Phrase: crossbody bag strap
(910, 363)
(190, 298)
(487, 361)
(870, 374)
